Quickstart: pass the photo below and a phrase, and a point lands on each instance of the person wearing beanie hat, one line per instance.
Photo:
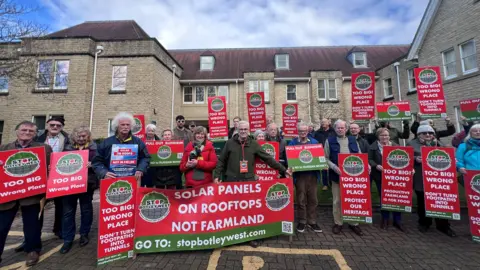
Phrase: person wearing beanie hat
(425, 138)
(259, 135)
(438, 134)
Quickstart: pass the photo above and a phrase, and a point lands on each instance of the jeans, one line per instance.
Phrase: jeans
(423, 220)
(31, 226)
(57, 223)
(306, 191)
(325, 178)
(69, 212)
(397, 216)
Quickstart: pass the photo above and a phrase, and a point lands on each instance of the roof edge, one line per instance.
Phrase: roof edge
(298, 47)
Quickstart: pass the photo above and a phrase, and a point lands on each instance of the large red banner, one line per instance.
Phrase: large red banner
(23, 173)
(472, 191)
(363, 96)
(262, 170)
(290, 119)
(440, 183)
(139, 129)
(217, 117)
(116, 225)
(397, 178)
(256, 111)
(431, 99)
(68, 173)
(355, 188)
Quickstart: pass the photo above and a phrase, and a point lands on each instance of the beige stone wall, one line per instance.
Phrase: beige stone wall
(280, 90)
(330, 108)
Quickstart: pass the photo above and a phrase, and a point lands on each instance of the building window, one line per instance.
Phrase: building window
(119, 78)
(327, 90)
(40, 121)
(211, 91)
(291, 92)
(61, 74)
(3, 81)
(449, 64)
(412, 84)
(44, 72)
(207, 62)
(1, 131)
(223, 91)
(260, 86)
(359, 59)
(281, 61)
(469, 58)
(387, 88)
(199, 94)
(188, 95)
(110, 132)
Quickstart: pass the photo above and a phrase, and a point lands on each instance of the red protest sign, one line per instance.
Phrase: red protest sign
(68, 173)
(472, 192)
(139, 127)
(262, 170)
(256, 111)
(355, 188)
(397, 178)
(116, 225)
(440, 183)
(471, 109)
(431, 99)
(363, 96)
(212, 216)
(391, 111)
(23, 173)
(165, 153)
(290, 119)
(217, 117)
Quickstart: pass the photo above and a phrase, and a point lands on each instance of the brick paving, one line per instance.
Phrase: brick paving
(377, 249)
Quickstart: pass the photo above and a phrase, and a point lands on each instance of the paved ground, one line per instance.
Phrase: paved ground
(378, 249)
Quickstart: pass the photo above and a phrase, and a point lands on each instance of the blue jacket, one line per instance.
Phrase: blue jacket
(468, 158)
(101, 161)
(334, 148)
(311, 140)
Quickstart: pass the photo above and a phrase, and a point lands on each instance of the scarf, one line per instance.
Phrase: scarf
(475, 142)
(197, 149)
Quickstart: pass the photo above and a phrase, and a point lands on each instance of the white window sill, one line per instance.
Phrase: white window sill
(451, 77)
(360, 66)
(470, 71)
(291, 101)
(187, 103)
(412, 89)
(389, 96)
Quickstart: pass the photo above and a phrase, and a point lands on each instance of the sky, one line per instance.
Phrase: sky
(187, 24)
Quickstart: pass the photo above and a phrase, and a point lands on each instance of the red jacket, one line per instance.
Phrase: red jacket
(206, 163)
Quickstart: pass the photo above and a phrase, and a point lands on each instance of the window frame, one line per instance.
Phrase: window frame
(4, 77)
(204, 96)
(40, 115)
(326, 85)
(259, 84)
(202, 58)
(410, 89)
(115, 89)
(386, 87)
(218, 92)
(49, 74)
(110, 132)
(286, 93)
(465, 72)
(208, 87)
(193, 93)
(55, 74)
(364, 56)
(445, 73)
(287, 61)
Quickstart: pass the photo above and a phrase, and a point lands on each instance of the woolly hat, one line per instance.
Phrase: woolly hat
(58, 119)
(425, 128)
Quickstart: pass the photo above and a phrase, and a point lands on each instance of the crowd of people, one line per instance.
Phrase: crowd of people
(200, 165)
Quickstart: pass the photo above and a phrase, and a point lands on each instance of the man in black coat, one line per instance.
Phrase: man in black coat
(355, 132)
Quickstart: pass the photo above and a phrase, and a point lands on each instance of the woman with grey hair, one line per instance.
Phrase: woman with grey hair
(150, 131)
(468, 153)
(122, 125)
(259, 135)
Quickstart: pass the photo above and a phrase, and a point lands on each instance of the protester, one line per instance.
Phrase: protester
(81, 139)
(31, 206)
(355, 132)
(324, 131)
(273, 135)
(237, 159)
(438, 134)
(311, 130)
(375, 160)
(168, 177)
(395, 134)
(339, 144)
(182, 133)
(199, 160)
(259, 135)
(122, 124)
(234, 130)
(468, 153)
(192, 126)
(425, 138)
(306, 187)
(151, 135)
(460, 137)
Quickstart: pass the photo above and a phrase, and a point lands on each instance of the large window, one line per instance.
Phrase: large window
(469, 58)
(188, 95)
(196, 95)
(56, 70)
(449, 64)
(200, 94)
(387, 88)
(119, 78)
(61, 74)
(44, 74)
(282, 61)
(327, 90)
(3, 81)
(260, 86)
(412, 84)
(359, 59)
(207, 62)
(291, 92)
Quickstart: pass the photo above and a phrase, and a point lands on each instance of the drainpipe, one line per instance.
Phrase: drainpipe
(173, 92)
(236, 82)
(309, 105)
(99, 51)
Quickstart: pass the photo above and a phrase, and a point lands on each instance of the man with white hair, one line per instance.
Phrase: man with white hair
(355, 132)
(122, 124)
(339, 144)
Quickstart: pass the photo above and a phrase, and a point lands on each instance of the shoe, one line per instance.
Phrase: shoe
(422, 228)
(84, 240)
(20, 248)
(66, 248)
(384, 224)
(32, 258)
(356, 230)
(254, 243)
(301, 227)
(325, 188)
(399, 226)
(337, 229)
(448, 232)
(315, 228)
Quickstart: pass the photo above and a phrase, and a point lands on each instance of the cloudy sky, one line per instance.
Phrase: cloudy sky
(183, 24)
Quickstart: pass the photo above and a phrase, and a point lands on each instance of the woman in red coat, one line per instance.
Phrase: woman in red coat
(199, 159)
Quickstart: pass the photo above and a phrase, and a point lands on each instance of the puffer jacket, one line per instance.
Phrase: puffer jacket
(202, 173)
(468, 155)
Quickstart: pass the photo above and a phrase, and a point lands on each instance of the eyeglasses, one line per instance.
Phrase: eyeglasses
(427, 133)
(55, 125)
(243, 129)
(302, 131)
(180, 121)
(192, 126)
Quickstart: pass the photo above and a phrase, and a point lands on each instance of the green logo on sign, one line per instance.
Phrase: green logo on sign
(475, 184)
(363, 82)
(119, 192)
(393, 110)
(398, 159)
(21, 164)
(154, 207)
(290, 110)
(428, 76)
(277, 197)
(269, 149)
(217, 105)
(137, 127)
(439, 160)
(255, 100)
(164, 152)
(353, 166)
(305, 156)
(69, 164)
